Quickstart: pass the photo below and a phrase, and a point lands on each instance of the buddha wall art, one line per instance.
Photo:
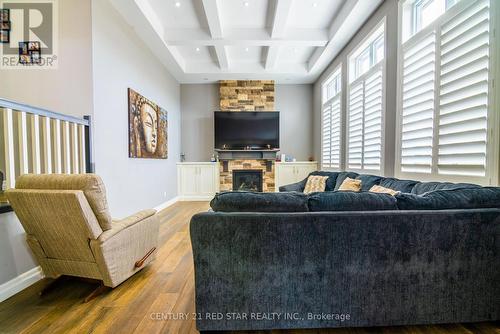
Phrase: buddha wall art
(147, 128)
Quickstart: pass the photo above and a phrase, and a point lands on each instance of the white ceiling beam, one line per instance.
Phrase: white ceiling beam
(280, 18)
(212, 12)
(345, 25)
(221, 53)
(246, 68)
(271, 57)
(247, 37)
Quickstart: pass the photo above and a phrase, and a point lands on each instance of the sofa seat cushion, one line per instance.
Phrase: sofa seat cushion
(330, 182)
(404, 186)
(342, 176)
(368, 181)
(244, 201)
(424, 187)
(351, 201)
(462, 198)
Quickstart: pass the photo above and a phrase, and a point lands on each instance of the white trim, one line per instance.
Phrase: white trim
(168, 203)
(21, 282)
(195, 198)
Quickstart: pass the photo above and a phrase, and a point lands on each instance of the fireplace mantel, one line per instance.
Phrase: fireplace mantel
(247, 154)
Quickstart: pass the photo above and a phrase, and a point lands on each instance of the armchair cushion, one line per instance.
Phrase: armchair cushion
(91, 185)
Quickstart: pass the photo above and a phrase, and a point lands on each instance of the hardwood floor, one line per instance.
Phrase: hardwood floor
(166, 286)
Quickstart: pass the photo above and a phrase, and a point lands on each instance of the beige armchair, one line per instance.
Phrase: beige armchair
(70, 231)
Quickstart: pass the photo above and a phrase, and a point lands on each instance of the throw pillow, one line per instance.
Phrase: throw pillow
(383, 190)
(350, 185)
(315, 183)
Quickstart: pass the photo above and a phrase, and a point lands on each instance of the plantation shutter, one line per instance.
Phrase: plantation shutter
(365, 121)
(418, 105)
(463, 99)
(355, 126)
(331, 133)
(444, 107)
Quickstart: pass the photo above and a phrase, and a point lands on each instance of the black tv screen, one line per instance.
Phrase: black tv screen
(242, 129)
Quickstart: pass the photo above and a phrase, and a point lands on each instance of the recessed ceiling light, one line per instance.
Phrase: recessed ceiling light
(246, 49)
(315, 4)
(245, 3)
(197, 49)
(177, 4)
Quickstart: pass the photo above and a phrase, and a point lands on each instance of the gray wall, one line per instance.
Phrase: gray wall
(121, 60)
(388, 9)
(198, 102)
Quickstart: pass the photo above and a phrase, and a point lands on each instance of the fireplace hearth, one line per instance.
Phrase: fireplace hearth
(247, 180)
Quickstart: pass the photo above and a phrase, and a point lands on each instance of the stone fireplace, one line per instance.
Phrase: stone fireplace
(263, 167)
(247, 179)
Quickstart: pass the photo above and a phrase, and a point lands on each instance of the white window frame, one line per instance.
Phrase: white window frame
(352, 81)
(324, 103)
(493, 130)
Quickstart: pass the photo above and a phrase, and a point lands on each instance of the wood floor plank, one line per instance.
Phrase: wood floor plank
(164, 287)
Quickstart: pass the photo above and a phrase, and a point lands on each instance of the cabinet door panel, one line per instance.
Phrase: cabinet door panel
(302, 171)
(188, 180)
(285, 175)
(207, 181)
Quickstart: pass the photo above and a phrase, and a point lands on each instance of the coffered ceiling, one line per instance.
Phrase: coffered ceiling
(290, 41)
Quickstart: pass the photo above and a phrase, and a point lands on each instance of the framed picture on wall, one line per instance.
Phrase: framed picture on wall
(148, 127)
(4, 36)
(4, 14)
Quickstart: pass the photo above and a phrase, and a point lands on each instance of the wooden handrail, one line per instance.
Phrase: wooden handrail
(41, 112)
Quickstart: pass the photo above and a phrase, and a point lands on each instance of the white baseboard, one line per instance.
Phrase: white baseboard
(196, 198)
(21, 282)
(167, 204)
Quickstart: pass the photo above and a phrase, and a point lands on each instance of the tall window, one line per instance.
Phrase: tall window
(331, 109)
(366, 104)
(444, 107)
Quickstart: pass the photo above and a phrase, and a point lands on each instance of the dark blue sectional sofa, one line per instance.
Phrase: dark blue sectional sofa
(430, 254)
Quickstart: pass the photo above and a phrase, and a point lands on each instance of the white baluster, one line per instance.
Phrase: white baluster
(66, 147)
(46, 145)
(23, 142)
(35, 143)
(74, 148)
(10, 168)
(81, 148)
(56, 141)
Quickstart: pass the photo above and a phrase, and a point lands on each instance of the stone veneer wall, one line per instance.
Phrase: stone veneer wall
(226, 178)
(246, 95)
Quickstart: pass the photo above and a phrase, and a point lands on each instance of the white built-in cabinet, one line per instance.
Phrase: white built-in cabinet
(292, 172)
(197, 180)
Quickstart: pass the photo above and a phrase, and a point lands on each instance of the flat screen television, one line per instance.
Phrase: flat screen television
(242, 129)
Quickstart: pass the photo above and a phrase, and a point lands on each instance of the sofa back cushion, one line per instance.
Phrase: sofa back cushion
(424, 187)
(351, 201)
(368, 181)
(404, 186)
(462, 198)
(243, 201)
